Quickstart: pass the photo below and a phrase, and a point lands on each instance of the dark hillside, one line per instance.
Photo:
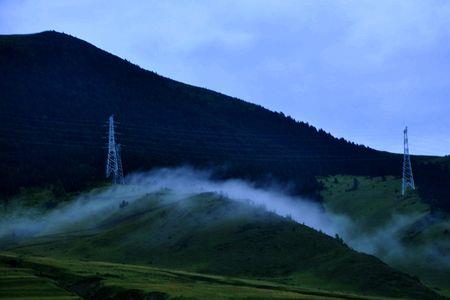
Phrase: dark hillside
(433, 180)
(57, 92)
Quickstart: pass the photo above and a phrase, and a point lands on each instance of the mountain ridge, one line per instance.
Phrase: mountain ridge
(58, 91)
(54, 80)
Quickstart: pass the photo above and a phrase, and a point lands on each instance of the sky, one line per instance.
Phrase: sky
(361, 70)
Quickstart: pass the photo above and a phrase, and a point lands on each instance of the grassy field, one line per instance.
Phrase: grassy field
(43, 278)
(376, 203)
(22, 283)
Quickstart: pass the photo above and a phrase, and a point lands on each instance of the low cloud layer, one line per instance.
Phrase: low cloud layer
(184, 182)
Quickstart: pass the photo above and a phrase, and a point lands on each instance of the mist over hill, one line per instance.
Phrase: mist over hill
(58, 91)
(183, 219)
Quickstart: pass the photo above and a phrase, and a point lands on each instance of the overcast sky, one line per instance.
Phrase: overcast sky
(358, 69)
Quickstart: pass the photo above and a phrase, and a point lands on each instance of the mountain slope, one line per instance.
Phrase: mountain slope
(199, 234)
(58, 91)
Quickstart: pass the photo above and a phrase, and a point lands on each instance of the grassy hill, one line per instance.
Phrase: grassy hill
(207, 233)
(376, 206)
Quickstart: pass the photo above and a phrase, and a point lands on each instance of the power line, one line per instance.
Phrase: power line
(186, 135)
(166, 143)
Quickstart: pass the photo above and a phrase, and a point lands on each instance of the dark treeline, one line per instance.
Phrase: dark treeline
(433, 181)
(57, 93)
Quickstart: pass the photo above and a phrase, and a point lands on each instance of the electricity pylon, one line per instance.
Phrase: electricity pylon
(113, 161)
(408, 180)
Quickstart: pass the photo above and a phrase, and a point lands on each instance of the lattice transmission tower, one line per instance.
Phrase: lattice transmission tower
(408, 179)
(113, 161)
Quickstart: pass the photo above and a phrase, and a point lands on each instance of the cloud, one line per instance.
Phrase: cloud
(183, 182)
(385, 30)
(91, 209)
(385, 242)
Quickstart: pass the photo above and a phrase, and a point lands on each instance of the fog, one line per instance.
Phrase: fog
(184, 182)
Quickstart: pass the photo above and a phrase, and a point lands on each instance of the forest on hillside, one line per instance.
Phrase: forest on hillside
(58, 92)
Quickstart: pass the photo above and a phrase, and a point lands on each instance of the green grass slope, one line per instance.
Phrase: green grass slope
(375, 203)
(207, 233)
(103, 280)
(371, 202)
(22, 283)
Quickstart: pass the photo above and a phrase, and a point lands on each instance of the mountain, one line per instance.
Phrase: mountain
(197, 233)
(58, 92)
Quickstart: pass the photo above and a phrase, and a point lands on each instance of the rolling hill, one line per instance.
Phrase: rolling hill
(197, 233)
